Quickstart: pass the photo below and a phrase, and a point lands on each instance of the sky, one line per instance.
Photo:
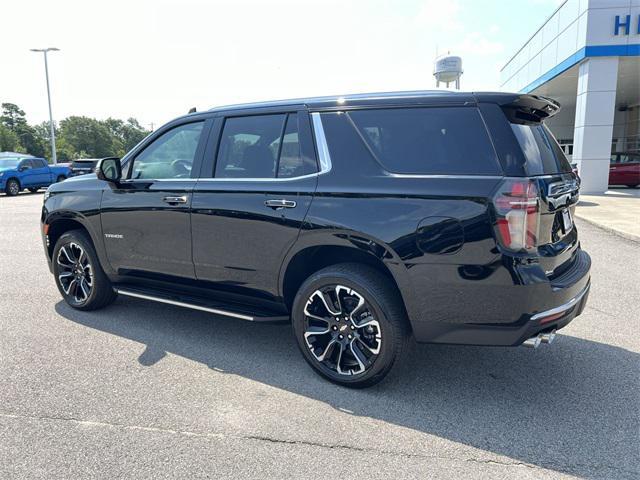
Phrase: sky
(154, 60)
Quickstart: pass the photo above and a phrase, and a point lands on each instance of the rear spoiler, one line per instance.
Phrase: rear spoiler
(530, 109)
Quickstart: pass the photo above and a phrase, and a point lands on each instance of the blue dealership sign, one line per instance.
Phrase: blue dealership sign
(623, 24)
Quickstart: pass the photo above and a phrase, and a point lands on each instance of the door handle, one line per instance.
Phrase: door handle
(173, 200)
(281, 203)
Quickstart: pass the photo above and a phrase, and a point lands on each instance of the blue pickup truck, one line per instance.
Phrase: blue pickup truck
(18, 173)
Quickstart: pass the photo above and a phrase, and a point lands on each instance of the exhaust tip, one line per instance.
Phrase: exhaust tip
(548, 337)
(533, 342)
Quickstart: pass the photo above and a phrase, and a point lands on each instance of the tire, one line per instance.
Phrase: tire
(60, 178)
(374, 335)
(12, 188)
(34, 190)
(75, 260)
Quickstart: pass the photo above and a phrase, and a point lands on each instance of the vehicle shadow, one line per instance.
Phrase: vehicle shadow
(584, 203)
(571, 407)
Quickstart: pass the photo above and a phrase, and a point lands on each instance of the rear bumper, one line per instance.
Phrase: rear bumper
(542, 306)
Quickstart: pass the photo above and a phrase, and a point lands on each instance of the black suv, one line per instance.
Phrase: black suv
(82, 166)
(365, 219)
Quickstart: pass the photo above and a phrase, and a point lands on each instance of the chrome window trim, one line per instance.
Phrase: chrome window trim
(321, 143)
(237, 179)
(241, 179)
(437, 175)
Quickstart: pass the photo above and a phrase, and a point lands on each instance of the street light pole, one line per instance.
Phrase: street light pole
(51, 128)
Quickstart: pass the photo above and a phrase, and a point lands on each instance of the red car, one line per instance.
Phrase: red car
(625, 169)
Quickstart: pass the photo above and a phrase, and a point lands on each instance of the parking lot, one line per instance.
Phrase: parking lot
(144, 390)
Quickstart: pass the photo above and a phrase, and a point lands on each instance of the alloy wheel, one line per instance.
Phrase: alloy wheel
(75, 273)
(14, 188)
(341, 330)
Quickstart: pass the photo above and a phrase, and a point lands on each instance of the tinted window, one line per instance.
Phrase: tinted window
(169, 156)
(249, 147)
(261, 145)
(428, 140)
(38, 163)
(542, 152)
(292, 163)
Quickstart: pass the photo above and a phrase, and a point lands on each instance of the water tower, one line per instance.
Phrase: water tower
(447, 69)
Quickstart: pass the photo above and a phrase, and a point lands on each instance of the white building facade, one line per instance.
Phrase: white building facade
(586, 56)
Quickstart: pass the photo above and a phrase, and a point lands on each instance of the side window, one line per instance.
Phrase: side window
(169, 156)
(262, 146)
(26, 165)
(249, 147)
(292, 163)
(38, 163)
(428, 140)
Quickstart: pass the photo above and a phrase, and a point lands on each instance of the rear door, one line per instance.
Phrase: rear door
(258, 179)
(41, 172)
(146, 219)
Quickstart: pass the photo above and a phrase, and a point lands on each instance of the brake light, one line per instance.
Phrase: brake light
(517, 208)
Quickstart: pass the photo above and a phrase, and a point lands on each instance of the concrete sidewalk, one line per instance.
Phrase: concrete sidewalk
(617, 210)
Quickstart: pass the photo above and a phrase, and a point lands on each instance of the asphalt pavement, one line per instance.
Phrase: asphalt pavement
(143, 390)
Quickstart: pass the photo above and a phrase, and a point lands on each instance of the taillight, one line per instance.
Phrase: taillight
(517, 208)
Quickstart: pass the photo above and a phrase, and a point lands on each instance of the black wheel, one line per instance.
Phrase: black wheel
(78, 274)
(33, 190)
(13, 187)
(60, 178)
(350, 324)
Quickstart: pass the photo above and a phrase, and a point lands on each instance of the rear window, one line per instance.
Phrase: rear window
(427, 141)
(542, 152)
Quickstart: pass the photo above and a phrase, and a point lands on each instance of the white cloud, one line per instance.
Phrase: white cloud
(441, 15)
(476, 43)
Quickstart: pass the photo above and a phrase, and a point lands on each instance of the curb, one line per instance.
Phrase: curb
(606, 228)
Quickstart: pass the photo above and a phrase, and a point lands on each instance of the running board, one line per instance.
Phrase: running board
(216, 308)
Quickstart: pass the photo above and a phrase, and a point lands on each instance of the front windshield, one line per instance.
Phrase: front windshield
(7, 163)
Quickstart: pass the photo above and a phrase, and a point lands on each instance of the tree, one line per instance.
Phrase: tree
(9, 141)
(87, 136)
(32, 142)
(42, 130)
(128, 134)
(76, 137)
(13, 118)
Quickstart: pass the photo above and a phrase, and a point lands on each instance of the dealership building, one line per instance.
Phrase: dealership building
(587, 57)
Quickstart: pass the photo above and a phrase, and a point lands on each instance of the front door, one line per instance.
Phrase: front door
(27, 174)
(146, 219)
(248, 210)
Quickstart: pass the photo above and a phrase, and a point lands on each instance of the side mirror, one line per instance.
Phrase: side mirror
(109, 170)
